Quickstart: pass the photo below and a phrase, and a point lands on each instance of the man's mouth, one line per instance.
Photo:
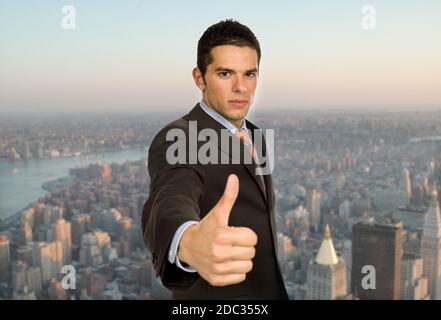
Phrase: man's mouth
(238, 102)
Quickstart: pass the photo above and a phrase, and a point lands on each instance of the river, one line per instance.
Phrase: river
(20, 181)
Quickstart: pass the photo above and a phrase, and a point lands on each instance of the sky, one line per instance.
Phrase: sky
(137, 55)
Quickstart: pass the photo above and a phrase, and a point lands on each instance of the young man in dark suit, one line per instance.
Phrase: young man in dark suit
(211, 226)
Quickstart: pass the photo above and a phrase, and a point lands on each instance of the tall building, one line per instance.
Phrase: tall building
(347, 257)
(379, 246)
(27, 217)
(413, 283)
(107, 171)
(5, 258)
(45, 215)
(95, 248)
(33, 279)
(18, 279)
(405, 186)
(24, 276)
(417, 195)
(56, 214)
(286, 248)
(38, 213)
(61, 231)
(93, 283)
(313, 205)
(344, 210)
(125, 234)
(431, 247)
(25, 235)
(326, 277)
(426, 187)
(24, 253)
(48, 256)
(80, 226)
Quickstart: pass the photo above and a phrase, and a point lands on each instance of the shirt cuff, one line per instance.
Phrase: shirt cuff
(173, 252)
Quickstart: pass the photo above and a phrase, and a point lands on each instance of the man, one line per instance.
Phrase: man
(211, 226)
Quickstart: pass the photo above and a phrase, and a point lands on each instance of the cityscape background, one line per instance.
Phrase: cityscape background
(357, 120)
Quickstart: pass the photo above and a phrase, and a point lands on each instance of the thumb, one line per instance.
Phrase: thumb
(225, 204)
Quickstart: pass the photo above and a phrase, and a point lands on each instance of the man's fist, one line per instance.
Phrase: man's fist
(221, 254)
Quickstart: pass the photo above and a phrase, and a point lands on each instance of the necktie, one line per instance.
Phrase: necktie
(245, 137)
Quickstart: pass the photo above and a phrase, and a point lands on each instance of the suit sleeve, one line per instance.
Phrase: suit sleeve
(175, 192)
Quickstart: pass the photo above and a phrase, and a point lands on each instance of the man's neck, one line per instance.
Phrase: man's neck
(238, 124)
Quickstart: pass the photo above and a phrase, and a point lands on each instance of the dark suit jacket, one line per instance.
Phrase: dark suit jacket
(183, 192)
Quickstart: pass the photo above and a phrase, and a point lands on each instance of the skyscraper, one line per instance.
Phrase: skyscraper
(80, 226)
(313, 204)
(33, 278)
(376, 253)
(48, 256)
(18, 279)
(347, 257)
(25, 235)
(94, 247)
(431, 246)
(24, 253)
(344, 210)
(406, 186)
(5, 258)
(107, 171)
(27, 217)
(61, 231)
(125, 234)
(326, 277)
(413, 283)
(38, 214)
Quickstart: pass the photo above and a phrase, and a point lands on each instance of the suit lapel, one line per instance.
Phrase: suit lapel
(205, 121)
(262, 179)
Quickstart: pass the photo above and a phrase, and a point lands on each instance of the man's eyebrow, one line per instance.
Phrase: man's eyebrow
(232, 71)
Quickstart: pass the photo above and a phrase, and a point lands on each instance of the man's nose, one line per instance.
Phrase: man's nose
(239, 85)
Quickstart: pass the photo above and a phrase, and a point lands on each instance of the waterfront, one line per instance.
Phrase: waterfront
(21, 181)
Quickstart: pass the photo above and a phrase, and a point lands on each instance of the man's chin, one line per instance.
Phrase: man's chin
(238, 115)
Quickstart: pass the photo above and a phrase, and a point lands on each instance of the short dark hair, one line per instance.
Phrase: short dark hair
(224, 33)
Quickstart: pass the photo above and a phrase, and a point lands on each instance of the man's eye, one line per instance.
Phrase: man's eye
(251, 74)
(224, 73)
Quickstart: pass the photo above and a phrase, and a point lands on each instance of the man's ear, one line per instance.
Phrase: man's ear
(198, 78)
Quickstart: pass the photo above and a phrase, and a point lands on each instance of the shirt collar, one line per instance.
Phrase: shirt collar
(221, 120)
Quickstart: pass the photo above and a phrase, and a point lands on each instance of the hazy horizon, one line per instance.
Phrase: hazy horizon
(134, 56)
(253, 111)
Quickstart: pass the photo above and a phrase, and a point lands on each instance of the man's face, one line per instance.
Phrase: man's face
(230, 81)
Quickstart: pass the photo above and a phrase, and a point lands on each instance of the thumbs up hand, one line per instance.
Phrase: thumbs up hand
(222, 255)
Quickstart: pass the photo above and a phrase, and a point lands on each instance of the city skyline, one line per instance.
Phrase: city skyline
(331, 174)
